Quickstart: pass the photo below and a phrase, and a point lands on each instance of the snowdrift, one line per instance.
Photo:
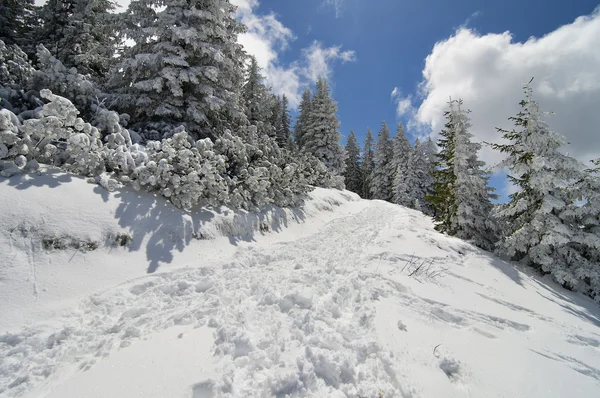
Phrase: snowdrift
(120, 294)
(70, 238)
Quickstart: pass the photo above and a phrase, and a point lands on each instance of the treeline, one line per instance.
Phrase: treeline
(162, 97)
(551, 223)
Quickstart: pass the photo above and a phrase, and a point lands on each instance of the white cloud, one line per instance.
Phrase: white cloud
(404, 105)
(337, 6)
(487, 72)
(267, 37)
(319, 60)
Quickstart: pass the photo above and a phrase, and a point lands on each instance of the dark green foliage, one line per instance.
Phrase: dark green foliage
(368, 164)
(442, 201)
(353, 173)
(302, 121)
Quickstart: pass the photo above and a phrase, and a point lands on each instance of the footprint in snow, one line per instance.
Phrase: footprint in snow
(203, 389)
(451, 367)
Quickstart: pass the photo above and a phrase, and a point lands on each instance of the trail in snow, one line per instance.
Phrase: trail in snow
(334, 313)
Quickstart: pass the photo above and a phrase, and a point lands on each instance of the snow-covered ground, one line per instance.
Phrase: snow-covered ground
(340, 298)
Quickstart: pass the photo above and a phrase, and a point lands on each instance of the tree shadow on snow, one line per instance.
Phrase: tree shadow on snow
(50, 178)
(573, 303)
(573, 363)
(163, 229)
(508, 269)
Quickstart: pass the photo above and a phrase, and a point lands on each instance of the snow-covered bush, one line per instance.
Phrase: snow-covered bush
(311, 171)
(59, 137)
(68, 83)
(15, 68)
(187, 173)
(122, 155)
(16, 79)
(9, 134)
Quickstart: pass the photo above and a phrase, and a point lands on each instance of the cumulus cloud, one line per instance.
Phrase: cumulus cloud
(404, 105)
(267, 38)
(488, 71)
(319, 60)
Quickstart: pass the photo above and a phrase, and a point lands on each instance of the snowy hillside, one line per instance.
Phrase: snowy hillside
(123, 295)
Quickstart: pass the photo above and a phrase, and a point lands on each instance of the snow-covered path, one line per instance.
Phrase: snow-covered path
(374, 303)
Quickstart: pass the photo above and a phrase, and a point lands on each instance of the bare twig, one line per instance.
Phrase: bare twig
(436, 347)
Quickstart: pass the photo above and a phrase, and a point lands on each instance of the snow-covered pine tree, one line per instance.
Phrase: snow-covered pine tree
(442, 200)
(583, 252)
(368, 165)
(353, 173)
(185, 68)
(431, 150)
(258, 102)
(382, 175)
(322, 137)
(17, 23)
(81, 34)
(539, 234)
(418, 177)
(302, 120)
(471, 220)
(275, 121)
(402, 153)
(284, 131)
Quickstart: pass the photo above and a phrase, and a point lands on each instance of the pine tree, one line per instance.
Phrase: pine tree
(284, 132)
(259, 104)
(368, 165)
(81, 34)
(431, 150)
(185, 68)
(402, 154)
(302, 120)
(17, 22)
(353, 173)
(321, 137)
(442, 200)
(275, 120)
(382, 175)
(417, 181)
(583, 251)
(471, 220)
(540, 234)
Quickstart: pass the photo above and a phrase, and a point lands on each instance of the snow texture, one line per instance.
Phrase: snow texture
(340, 297)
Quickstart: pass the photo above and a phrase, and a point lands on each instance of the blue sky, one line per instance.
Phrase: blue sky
(480, 51)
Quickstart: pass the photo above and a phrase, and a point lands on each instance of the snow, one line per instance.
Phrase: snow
(341, 297)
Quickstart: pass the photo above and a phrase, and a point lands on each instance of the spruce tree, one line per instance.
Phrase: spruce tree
(284, 132)
(17, 23)
(353, 173)
(383, 172)
(322, 137)
(442, 200)
(185, 68)
(471, 220)
(402, 154)
(261, 107)
(80, 34)
(274, 123)
(302, 120)
(368, 165)
(417, 180)
(540, 234)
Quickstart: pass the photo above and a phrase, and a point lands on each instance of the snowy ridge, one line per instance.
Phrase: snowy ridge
(365, 299)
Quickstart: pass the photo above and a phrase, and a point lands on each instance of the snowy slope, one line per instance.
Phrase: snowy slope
(339, 298)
